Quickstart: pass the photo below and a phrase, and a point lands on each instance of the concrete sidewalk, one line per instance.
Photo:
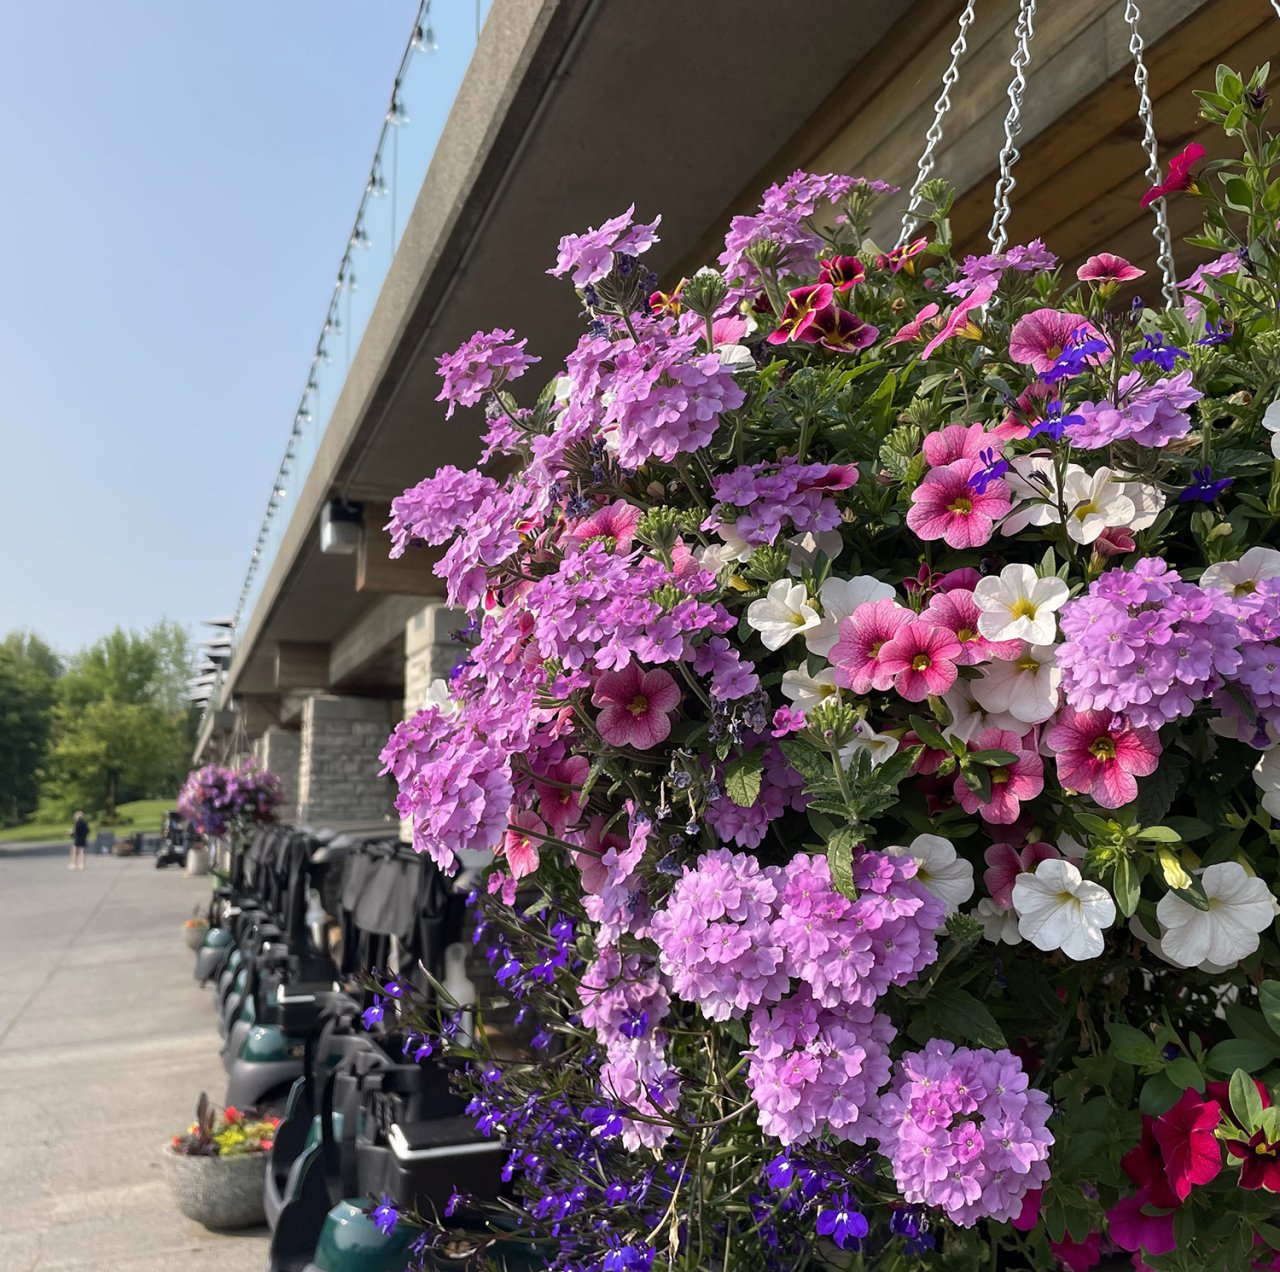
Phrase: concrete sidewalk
(105, 1044)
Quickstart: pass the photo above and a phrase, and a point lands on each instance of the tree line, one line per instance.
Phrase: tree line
(104, 726)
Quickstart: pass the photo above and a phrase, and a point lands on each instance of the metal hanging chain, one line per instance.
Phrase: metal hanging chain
(1159, 231)
(1010, 154)
(940, 108)
(1275, 4)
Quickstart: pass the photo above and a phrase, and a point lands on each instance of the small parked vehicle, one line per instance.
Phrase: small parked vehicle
(175, 839)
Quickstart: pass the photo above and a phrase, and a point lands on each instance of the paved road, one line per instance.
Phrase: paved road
(105, 1044)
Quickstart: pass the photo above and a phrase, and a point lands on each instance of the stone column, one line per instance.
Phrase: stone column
(430, 652)
(338, 760)
(279, 750)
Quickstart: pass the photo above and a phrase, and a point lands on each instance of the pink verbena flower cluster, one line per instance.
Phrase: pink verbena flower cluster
(481, 365)
(1146, 644)
(1148, 414)
(815, 1070)
(964, 1132)
(769, 497)
(1258, 676)
(589, 256)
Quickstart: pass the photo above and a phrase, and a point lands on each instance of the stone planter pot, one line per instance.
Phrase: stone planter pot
(220, 1192)
(194, 935)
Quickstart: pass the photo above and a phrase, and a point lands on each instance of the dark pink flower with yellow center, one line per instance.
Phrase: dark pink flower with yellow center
(926, 319)
(1102, 754)
(802, 304)
(1040, 338)
(559, 788)
(958, 321)
(839, 330)
(636, 706)
(958, 612)
(1180, 175)
(901, 258)
(616, 521)
(921, 658)
(860, 641)
(946, 506)
(1011, 783)
(842, 272)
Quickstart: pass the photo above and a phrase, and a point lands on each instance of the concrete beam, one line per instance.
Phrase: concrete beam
(259, 714)
(302, 665)
(378, 573)
(379, 631)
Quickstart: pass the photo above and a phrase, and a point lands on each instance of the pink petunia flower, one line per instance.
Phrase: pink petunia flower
(915, 329)
(1105, 267)
(958, 319)
(956, 441)
(957, 611)
(1005, 863)
(616, 521)
(1133, 1229)
(636, 706)
(1038, 339)
(860, 641)
(802, 304)
(921, 658)
(1078, 1256)
(946, 506)
(559, 788)
(1101, 754)
(589, 858)
(1010, 784)
(521, 841)
(1191, 1151)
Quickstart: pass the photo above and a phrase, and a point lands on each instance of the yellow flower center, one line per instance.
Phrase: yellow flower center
(638, 705)
(1023, 607)
(1103, 749)
(961, 504)
(921, 662)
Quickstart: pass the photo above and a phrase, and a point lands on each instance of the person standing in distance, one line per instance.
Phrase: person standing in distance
(79, 840)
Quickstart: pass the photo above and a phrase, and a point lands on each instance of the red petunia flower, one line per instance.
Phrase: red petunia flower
(1191, 1152)
(1144, 1165)
(1180, 175)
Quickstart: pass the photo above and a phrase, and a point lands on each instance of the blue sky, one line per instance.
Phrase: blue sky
(180, 180)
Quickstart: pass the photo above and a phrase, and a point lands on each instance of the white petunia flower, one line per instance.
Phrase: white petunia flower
(839, 598)
(1059, 909)
(1266, 773)
(1271, 422)
(1240, 907)
(1094, 502)
(1017, 604)
(806, 690)
(969, 717)
(1148, 503)
(998, 926)
(948, 877)
(805, 548)
(1242, 577)
(1156, 946)
(1032, 481)
(880, 746)
(782, 613)
(1026, 687)
(438, 696)
(736, 357)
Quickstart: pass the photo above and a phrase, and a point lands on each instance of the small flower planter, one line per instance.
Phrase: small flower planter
(222, 1193)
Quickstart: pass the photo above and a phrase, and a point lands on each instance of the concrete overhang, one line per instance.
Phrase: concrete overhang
(573, 109)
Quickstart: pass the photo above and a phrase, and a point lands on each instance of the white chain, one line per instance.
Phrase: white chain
(1275, 4)
(1159, 231)
(940, 108)
(1010, 154)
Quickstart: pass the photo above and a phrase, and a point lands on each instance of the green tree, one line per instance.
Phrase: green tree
(122, 729)
(28, 673)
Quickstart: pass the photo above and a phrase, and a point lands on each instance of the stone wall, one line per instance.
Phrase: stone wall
(280, 750)
(429, 651)
(338, 761)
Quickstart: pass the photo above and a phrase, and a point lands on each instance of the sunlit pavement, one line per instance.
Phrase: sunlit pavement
(105, 1044)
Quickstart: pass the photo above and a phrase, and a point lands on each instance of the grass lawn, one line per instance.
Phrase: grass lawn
(143, 814)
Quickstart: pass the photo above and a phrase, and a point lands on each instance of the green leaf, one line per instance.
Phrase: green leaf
(1184, 1072)
(1189, 829)
(1194, 895)
(994, 757)
(840, 862)
(1158, 835)
(743, 777)
(1094, 825)
(1131, 1046)
(1269, 1000)
(927, 733)
(813, 765)
(1241, 1053)
(1246, 1103)
(1269, 1233)
(960, 1016)
(1127, 886)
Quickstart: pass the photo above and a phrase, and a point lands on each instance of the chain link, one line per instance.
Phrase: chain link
(1275, 4)
(1159, 231)
(940, 109)
(1009, 153)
